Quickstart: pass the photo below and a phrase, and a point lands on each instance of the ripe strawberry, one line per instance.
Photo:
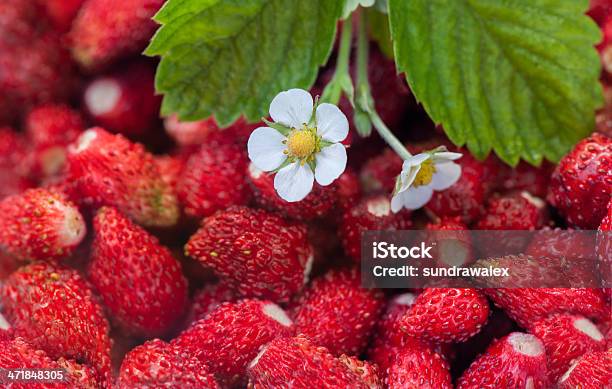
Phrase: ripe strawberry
(124, 101)
(337, 313)
(110, 170)
(526, 305)
(298, 363)
(371, 213)
(256, 253)
(50, 129)
(317, 204)
(581, 185)
(15, 163)
(189, 133)
(367, 372)
(150, 293)
(107, 30)
(39, 224)
(348, 190)
(214, 179)
(605, 47)
(467, 197)
(453, 243)
(207, 300)
(61, 12)
(446, 314)
(18, 17)
(379, 174)
(591, 371)
(231, 336)
(566, 337)
(515, 361)
(170, 169)
(53, 308)
(157, 364)
(604, 250)
(526, 177)
(418, 367)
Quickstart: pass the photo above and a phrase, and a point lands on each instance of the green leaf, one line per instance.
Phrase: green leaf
(516, 76)
(231, 57)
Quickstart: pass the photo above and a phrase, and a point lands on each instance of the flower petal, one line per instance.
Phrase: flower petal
(294, 182)
(292, 108)
(416, 197)
(266, 147)
(446, 175)
(446, 155)
(332, 124)
(396, 203)
(408, 177)
(331, 162)
(416, 160)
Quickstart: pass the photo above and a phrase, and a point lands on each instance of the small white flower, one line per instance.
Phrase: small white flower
(302, 145)
(421, 175)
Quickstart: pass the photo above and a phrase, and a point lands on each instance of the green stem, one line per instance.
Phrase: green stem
(337, 84)
(344, 51)
(364, 92)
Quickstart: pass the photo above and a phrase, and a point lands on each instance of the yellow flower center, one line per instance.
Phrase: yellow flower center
(303, 144)
(425, 174)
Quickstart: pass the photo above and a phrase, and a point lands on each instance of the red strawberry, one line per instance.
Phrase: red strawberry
(18, 17)
(605, 46)
(581, 185)
(526, 177)
(231, 336)
(604, 250)
(299, 364)
(14, 163)
(39, 224)
(107, 30)
(170, 169)
(337, 313)
(189, 133)
(367, 372)
(157, 364)
(61, 12)
(591, 371)
(214, 179)
(467, 197)
(149, 294)
(208, 299)
(110, 170)
(255, 252)
(566, 337)
(418, 367)
(54, 309)
(124, 101)
(315, 205)
(526, 305)
(50, 128)
(348, 190)
(18, 354)
(446, 314)
(380, 173)
(371, 213)
(453, 243)
(515, 361)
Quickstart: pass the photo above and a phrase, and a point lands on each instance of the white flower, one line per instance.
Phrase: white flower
(302, 145)
(421, 175)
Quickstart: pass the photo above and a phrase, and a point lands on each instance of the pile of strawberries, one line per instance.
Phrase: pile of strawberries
(136, 252)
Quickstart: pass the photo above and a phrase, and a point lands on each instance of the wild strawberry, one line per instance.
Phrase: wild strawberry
(591, 371)
(39, 224)
(446, 314)
(189, 133)
(453, 243)
(207, 300)
(317, 204)
(53, 308)
(61, 12)
(337, 313)
(515, 361)
(526, 177)
(255, 252)
(566, 337)
(50, 129)
(18, 17)
(380, 173)
(466, 198)
(367, 372)
(348, 190)
(124, 101)
(301, 364)
(150, 293)
(107, 30)
(605, 46)
(214, 179)
(604, 250)
(231, 336)
(581, 185)
(157, 364)
(170, 169)
(418, 367)
(110, 170)
(15, 163)
(371, 213)
(526, 305)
